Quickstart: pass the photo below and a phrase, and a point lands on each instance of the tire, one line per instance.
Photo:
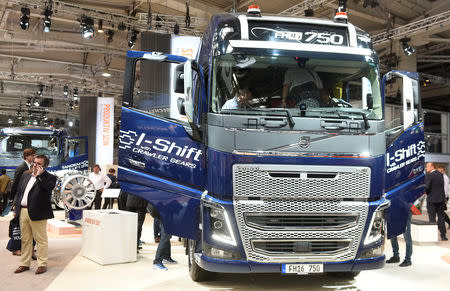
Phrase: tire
(195, 271)
(345, 275)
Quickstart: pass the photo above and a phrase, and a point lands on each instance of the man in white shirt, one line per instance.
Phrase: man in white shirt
(441, 169)
(101, 181)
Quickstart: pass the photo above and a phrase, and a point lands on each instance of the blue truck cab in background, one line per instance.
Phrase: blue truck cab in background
(67, 154)
(299, 180)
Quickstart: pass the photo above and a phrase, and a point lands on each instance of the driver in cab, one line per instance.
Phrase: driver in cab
(240, 100)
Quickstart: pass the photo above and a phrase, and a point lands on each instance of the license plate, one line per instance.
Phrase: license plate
(302, 268)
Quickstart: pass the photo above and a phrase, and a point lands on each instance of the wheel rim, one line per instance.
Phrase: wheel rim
(78, 192)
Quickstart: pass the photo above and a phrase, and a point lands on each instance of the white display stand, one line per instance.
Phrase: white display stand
(424, 232)
(109, 236)
(110, 193)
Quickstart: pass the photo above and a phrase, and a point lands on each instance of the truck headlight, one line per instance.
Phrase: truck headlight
(220, 225)
(377, 227)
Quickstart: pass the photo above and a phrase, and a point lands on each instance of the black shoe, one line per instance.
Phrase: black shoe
(443, 237)
(405, 263)
(392, 260)
(139, 248)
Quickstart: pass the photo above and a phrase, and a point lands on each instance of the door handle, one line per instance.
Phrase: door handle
(273, 123)
(137, 163)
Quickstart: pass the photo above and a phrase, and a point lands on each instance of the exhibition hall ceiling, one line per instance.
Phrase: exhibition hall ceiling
(63, 61)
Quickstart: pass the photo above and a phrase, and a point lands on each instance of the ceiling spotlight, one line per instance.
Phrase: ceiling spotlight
(36, 102)
(121, 26)
(100, 26)
(133, 38)
(66, 90)
(408, 49)
(47, 20)
(40, 89)
(106, 73)
(70, 123)
(35, 122)
(109, 36)
(19, 116)
(28, 103)
(87, 27)
(176, 29)
(75, 94)
(25, 18)
(71, 105)
(45, 118)
(10, 121)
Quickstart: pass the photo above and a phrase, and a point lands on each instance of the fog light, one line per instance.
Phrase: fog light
(218, 224)
(219, 253)
(374, 252)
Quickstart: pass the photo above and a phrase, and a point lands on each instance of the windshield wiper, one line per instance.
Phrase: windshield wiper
(285, 110)
(339, 112)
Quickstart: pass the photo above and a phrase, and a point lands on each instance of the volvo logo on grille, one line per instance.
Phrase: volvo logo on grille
(304, 142)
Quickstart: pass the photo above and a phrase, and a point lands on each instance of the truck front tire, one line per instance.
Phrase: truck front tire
(195, 271)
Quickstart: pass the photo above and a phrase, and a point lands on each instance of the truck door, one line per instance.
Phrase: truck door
(405, 152)
(161, 153)
(75, 153)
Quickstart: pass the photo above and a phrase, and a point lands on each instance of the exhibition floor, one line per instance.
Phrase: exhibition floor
(68, 270)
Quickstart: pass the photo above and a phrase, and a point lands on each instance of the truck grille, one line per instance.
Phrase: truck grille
(292, 181)
(301, 247)
(282, 220)
(289, 221)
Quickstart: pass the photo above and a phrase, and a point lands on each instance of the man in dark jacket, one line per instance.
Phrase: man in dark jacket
(434, 183)
(33, 202)
(28, 156)
(138, 205)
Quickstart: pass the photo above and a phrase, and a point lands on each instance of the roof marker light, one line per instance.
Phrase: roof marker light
(253, 10)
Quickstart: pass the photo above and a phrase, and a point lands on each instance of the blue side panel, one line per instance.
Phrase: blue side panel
(160, 162)
(177, 205)
(405, 160)
(160, 148)
(220, 169)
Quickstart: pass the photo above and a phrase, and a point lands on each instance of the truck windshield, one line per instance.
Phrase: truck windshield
(15, 144)
(314, 87)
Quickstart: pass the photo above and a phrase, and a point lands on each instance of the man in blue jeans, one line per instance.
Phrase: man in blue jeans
(394, 242)
(163, 253)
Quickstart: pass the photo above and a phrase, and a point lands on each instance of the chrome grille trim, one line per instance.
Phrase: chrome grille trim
(290, 247)
(291, 221)
(259, 181)
(301, 196)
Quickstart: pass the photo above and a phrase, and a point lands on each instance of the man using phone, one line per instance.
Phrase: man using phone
(33, 202)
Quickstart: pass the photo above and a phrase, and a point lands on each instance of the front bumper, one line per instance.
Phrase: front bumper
(242, 266)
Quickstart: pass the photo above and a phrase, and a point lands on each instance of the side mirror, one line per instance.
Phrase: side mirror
(178, 79)
(369, 101)
(180, 106)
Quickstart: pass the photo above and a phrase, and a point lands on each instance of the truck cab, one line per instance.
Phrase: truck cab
(277, 157)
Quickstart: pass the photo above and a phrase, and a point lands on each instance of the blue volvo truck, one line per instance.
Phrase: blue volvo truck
(298, 173)
(68, 155)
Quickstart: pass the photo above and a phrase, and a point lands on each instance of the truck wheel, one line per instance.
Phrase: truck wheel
(345, 275)
(197, 274)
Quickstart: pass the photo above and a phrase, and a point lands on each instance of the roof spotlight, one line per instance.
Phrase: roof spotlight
(87, 27)
(25, 18)
(36, 102)
(66, 90)
(10, 121)
(109, 36)
(133, 38)
(47, 20)
(408, 49)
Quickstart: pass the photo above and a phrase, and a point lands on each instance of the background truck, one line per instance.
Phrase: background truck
(68, 155)
(264, 187)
